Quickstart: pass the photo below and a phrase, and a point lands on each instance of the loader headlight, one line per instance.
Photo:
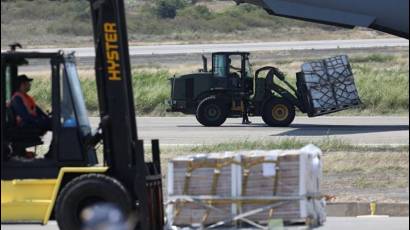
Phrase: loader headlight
(170, 102)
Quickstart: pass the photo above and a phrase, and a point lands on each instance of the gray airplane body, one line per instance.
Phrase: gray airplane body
(390, 16)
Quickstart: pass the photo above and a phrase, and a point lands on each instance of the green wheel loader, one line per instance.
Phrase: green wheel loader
(232, 89)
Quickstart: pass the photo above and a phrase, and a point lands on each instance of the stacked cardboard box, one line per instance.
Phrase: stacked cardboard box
(329, 85)
(244, 182)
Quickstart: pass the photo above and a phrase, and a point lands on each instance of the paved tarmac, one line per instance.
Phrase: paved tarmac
(355, 130)
(248, 47)
(331, 224)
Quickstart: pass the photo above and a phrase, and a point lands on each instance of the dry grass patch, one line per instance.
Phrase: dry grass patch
(370, 170)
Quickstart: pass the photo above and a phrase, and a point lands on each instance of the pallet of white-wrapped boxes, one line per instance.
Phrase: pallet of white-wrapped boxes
(249, 188)
(328, 86)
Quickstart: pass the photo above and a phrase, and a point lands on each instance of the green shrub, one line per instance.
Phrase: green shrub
(197, 12)
(169, 8)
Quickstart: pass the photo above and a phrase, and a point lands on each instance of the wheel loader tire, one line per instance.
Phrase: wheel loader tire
(211, 112)
(278, 113)
(85, 191)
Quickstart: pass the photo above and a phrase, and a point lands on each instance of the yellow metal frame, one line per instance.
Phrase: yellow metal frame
(33, 200)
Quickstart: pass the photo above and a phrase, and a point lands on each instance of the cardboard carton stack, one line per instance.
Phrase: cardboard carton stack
(286, 181)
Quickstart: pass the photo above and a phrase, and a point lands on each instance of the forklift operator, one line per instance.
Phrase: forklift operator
(28, 114)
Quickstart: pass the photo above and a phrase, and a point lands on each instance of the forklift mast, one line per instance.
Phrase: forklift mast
(123, 152)
(113, 77)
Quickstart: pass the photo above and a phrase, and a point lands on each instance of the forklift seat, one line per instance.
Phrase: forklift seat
(23, 137)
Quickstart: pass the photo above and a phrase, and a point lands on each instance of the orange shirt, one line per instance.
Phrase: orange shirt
(28, 102)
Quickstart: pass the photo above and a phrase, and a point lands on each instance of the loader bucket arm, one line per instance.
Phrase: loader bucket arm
(272, 86)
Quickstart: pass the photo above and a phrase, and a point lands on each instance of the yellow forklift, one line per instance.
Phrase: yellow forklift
(70, 178)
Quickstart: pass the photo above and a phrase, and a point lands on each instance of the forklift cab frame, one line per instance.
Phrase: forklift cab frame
(70, 124)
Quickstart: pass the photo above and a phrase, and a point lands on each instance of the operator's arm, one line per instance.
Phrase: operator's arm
(41, 113)
(21, 110)
(235, 68)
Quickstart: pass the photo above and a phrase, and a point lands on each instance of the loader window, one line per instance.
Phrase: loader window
(219, 65)
(235, 64)
(248, 69)
(9, 84)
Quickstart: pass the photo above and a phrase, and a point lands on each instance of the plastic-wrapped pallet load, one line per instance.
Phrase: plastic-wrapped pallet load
(200, 175)
(258, 185)
(328, 85)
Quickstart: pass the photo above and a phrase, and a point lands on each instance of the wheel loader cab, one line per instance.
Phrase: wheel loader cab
(65, 144)
(232, 69)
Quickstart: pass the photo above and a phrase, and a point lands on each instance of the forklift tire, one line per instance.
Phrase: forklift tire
(278, 113)
(211, 112)
(85, 191)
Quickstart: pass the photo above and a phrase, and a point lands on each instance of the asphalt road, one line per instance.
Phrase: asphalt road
(248, 47)
(331, 224)
(359, 130)
(355, 130)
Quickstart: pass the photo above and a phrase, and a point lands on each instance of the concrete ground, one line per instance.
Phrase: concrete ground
(360, 130)
(245, 47)
(334, 223)
(355, 130)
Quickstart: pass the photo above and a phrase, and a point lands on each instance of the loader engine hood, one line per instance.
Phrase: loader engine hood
(188, 87)
(185, 90)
